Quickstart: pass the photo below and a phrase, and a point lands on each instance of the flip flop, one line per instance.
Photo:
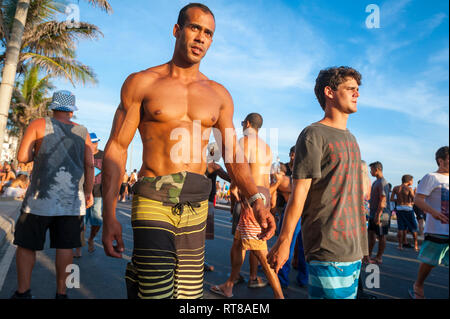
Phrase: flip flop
(257, 283)
(239, 280)
(376, 261)
(415, 295)
(218, 291)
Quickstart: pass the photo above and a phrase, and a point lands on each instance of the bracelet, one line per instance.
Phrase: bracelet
(252, 199)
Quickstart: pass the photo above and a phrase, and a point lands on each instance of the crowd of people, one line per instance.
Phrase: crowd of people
(223, 192)
(14, 182)
(323, 208)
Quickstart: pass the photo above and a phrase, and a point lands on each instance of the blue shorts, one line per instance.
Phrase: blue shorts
(406, 220)
(333, 280)
(434, 254)
(94, 213)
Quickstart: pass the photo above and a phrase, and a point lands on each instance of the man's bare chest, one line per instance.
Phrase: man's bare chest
(165, 103)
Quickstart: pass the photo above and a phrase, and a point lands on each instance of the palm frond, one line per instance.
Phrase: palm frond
(62, 67)
(56, 38)
(102, 4)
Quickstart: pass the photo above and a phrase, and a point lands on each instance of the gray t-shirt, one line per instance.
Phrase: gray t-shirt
(333, 221)
(379, 188)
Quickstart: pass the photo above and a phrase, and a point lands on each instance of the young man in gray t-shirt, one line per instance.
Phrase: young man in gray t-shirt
(328, 193)
(379, 216)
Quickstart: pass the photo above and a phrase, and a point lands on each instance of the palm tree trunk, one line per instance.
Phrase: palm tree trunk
(10, 68)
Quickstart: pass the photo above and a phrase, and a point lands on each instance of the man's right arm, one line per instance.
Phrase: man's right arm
(279, 254)
(420, 201)
(88, 172)
(27, 146)
(125, 124)
(381, 205)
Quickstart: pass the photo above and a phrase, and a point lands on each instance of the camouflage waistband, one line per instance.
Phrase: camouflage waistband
(175, 188)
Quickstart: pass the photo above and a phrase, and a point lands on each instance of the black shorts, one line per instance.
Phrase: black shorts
(123, 187)
(379, 230)
(235, 217)
(406, 220)
(31, 230)
(419, 213)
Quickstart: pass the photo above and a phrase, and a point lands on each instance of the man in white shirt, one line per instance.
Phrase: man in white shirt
(432, 197)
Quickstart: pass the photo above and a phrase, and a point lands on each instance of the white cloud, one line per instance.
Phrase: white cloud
(439, 57)
(246, 52)
(391, 10)
(417, 99)
(399, 155)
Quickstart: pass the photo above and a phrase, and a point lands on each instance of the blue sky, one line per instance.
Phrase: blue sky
(268, 54)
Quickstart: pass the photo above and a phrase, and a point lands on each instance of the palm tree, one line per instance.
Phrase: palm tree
(30, 101)
(43, 42)
(51, 44)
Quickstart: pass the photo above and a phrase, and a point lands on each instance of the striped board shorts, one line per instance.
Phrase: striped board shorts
(247, 231)
(168, 253)
(248, 228)
(333, 280)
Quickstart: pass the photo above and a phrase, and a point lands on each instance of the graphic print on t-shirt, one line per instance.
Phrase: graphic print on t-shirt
(345, 156)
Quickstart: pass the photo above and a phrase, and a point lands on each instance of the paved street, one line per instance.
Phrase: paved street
(101, 277)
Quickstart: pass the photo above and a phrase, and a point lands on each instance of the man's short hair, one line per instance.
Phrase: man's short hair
(332, 77)
(255, 120)
(292, 150)
(442, 154)
(407, 178)
(182, 16)
(376, 165)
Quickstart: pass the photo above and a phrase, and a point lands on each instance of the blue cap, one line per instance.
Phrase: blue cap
(94, 138)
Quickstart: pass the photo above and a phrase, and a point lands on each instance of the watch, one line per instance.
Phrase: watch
(252, 199)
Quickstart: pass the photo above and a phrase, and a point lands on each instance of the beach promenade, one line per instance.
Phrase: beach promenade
(101, 277)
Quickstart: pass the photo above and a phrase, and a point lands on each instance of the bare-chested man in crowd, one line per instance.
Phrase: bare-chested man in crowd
(170, 202)
(403, 196)
(259, 155)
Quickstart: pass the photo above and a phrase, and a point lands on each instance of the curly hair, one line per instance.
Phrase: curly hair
(332, 77)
